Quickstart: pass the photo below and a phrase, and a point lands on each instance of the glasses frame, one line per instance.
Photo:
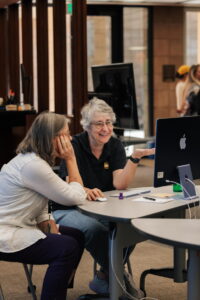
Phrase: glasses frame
(99, 124)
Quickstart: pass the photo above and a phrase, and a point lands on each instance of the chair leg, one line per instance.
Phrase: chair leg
(31, 287)
(1, 294)
(94, 267)
(164, 272)
(129, 267)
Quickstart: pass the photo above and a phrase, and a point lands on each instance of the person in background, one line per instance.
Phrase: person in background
(28, 234)
(181, 103)
(192, 92)
(103, 166)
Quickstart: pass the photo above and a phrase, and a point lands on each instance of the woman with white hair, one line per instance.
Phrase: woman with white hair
(28, 234)
(103, 166)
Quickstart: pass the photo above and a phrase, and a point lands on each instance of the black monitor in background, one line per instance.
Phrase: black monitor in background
(177, 157)
(115, 84)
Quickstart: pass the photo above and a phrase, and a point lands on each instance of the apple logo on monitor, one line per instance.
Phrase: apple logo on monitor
(183, 142)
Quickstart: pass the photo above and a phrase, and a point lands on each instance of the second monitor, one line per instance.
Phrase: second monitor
(115, 84)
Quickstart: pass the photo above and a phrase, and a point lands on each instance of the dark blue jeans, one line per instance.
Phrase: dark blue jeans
(61, 252)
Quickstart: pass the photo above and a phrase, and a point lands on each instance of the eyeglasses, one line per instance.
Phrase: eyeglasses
(100, 125)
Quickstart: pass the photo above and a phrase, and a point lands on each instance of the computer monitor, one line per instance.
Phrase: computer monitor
(115, 84)
(177, 156)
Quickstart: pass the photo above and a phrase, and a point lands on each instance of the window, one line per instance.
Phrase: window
(192, 37)
(102, 31)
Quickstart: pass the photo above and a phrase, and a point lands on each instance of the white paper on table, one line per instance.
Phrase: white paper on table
(157, 200)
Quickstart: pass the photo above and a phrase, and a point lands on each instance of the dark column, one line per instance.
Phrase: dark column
(3, 55)
(13, 49)
(79, 60)
(42, 55)
(27, 50)
(60, 65)
(117, 36)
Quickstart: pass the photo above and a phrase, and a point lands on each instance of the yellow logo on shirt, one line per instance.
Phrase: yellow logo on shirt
(106, 165)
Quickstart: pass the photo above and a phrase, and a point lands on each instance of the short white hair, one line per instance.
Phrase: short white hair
(93, 106)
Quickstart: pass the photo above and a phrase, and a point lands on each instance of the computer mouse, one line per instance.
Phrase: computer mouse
(101, 199)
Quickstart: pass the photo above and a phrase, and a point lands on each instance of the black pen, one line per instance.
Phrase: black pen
(149, 198)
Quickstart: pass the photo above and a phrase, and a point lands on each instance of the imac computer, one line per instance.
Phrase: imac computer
(116, 83)
(177, 157)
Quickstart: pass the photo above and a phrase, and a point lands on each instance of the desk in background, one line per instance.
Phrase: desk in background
(132, 136)
(127, 141)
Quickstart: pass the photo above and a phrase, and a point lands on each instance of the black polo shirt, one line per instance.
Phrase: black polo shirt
(96, 173)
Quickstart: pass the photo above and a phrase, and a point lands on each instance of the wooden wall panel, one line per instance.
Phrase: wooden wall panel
(27, 49)
(168, 49)
(79, 60)
(13, 49)
(60, 64)
(79, 54)
(3, 55)
(4, 3)
(42, 55)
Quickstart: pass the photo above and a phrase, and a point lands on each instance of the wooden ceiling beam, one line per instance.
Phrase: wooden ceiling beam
(4, 3)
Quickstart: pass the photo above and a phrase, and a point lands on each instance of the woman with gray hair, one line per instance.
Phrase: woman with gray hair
(28, 234)
(102, 164)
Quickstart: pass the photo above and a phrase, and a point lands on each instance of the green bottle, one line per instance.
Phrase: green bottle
(177, 188)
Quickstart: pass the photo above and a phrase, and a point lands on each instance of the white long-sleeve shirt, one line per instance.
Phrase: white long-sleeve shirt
(180, 90)
(26, 184)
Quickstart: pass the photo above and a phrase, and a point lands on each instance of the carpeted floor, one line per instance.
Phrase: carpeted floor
(146, 255)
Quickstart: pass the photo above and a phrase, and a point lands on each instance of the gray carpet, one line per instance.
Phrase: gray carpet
(146, 255)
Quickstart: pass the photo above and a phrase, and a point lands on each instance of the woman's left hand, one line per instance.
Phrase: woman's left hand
(93, 194)
(64, 148)
(48, 226)
(139, 153)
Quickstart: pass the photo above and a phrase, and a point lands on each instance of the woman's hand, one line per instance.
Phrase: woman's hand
(48, 226)
(93, 194)
(139, 153)
(64, 147)
(123, 177)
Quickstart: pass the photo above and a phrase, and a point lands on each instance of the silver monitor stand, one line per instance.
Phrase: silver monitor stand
(186, 180)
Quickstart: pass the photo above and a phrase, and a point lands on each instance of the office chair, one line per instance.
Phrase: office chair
(178, 272)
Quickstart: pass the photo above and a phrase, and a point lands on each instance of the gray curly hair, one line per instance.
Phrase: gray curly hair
(93, 106)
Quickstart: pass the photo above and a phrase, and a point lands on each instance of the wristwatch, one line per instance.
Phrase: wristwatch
(134, 159)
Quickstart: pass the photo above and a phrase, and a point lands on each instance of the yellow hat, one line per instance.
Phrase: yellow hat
(183, 69)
